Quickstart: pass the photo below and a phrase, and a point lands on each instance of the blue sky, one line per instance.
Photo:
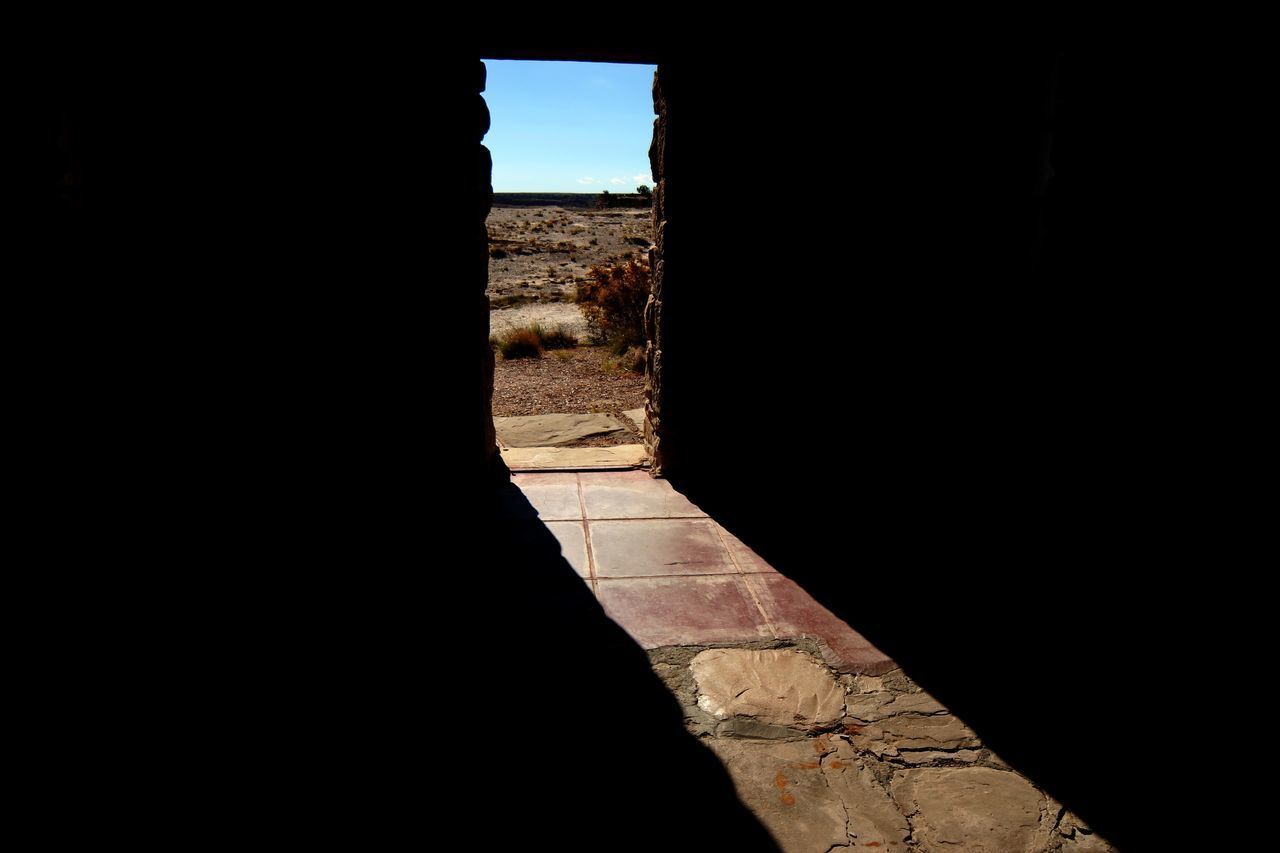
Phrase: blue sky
(569, 127)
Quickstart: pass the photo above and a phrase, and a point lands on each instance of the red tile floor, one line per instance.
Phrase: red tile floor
(670, 575)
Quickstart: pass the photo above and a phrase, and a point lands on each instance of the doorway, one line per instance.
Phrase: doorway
(570, 233)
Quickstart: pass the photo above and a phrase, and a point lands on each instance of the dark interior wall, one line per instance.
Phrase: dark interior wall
(474, 192)
(224, 331)
(892, 202)
(237, 253)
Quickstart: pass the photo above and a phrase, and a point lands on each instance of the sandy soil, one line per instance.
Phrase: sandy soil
(540, 254)
(550, 315)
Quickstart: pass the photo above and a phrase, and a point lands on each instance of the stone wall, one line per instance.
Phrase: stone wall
(481, 164)
(813, 276)
(653, 313)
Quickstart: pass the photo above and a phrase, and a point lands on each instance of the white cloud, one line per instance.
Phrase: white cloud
(642, 179)
(586, 180)
(616, 181)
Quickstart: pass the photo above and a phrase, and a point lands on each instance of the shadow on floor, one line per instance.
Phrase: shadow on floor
(600, 750)
(1011, 618)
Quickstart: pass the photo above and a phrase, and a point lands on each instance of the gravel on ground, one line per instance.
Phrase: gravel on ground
(570, 381)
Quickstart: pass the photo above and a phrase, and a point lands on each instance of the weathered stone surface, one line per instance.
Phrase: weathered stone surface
(868, 683)
(914, 703)
(654, 387)
(929, 756)
(911, 731)
(1083, 843)
(749, 728)
(897, 681)
(783, 784)
(574, 458)
(780, 687)
(679, 681)
(554, 430)
(636, 416)
(973, 808)
(867, 707)
(1079, 838)
(874, 819)
(479, 118)
(996, 761)
(870, 701)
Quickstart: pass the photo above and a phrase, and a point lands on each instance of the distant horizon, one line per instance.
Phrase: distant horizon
(562, 192)
(569, 127)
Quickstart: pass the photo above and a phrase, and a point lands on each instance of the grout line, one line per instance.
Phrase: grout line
(653, 518)
(586, 535)
(728, 550)
(750, 589)
(746, 580)
(682, 575)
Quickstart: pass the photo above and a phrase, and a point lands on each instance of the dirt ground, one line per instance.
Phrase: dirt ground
(538, 255)
(573, 381)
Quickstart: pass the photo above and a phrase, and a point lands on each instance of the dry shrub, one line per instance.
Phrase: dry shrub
(632, 359)
(519, 343)
(612, 299)
(529, 341)
(557, 338)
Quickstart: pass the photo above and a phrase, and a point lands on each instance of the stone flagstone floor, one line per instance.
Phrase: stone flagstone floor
(827, 741)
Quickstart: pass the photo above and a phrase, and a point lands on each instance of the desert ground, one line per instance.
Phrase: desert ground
(538, 254)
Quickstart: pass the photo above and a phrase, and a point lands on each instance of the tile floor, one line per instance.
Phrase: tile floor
(670, 575)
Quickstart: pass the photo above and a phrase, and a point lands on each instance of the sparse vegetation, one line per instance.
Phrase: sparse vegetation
(518, 343)
(557, 338)
(606, 200)
(520, 263)
(632, 359)
(510, 300)
(545, 264)
(530, 341)
(612, 300)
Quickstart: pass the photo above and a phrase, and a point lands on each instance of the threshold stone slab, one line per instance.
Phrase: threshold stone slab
(574, 458)
(554, 430)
